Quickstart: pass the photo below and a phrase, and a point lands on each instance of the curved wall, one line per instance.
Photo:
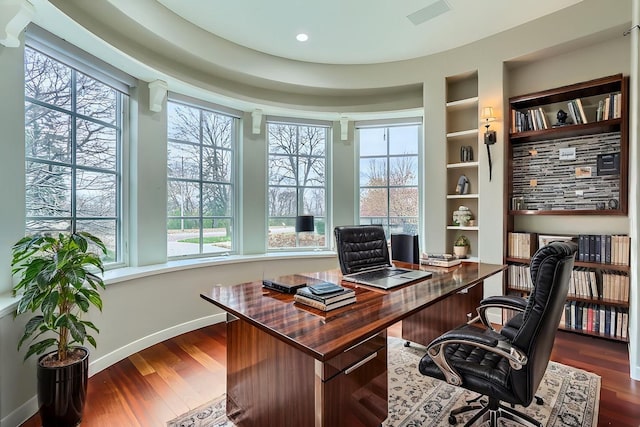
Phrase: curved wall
(142, 310)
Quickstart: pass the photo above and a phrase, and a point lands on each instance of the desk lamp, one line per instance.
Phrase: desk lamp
(304, 223)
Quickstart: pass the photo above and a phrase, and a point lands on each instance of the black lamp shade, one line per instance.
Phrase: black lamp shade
(304, 223)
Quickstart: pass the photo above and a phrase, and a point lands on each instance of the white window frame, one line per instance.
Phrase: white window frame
(300, 122)
(386, 124)
(235, 193)
(80, 61)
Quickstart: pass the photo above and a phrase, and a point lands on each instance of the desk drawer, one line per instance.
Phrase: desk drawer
(355, 355)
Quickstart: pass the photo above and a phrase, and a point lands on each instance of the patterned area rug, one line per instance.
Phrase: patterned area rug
(571, 397)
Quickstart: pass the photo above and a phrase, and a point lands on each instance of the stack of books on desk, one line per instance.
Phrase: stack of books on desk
(325, 296)
(439, 260)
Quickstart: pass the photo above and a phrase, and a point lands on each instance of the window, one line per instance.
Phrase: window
(297, 183)
(200, 197)
(73, 136)
(389, 177)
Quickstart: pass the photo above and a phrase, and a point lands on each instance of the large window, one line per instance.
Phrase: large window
(73, 136)
(200, 169)
(389, 177)
(297, 183)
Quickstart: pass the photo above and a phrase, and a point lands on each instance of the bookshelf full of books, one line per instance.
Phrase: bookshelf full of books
(567, 159)
(598, 298)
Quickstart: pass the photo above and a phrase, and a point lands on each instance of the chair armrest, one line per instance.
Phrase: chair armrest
(474, 337)
(510, 302)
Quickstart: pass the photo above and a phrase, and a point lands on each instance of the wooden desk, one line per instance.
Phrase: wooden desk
(289, 365)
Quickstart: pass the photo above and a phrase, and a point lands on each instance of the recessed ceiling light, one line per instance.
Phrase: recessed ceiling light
(302, 37)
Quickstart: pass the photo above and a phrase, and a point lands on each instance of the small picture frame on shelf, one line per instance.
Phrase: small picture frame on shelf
(544, 240)
(608, 164)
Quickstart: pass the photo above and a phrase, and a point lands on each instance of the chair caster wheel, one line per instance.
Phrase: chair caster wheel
(539, 401)
(452, 420)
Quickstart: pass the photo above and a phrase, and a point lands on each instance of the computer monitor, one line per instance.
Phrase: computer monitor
(404, 247)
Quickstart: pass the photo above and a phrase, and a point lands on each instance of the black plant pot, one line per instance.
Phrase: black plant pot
(62, 392)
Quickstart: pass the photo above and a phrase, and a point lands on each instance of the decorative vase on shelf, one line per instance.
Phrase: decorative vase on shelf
(462, 216)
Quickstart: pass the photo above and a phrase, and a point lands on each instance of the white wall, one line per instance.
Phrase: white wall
(146, 309)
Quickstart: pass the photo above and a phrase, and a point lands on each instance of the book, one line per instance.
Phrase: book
(339, 295)
(439, 256)
(436, 262)
(583, 117)
(325, 288)
(322, 306)
(288, 284)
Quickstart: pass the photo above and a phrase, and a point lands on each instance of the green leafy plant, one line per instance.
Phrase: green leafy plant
(58, 280)
(462, 240)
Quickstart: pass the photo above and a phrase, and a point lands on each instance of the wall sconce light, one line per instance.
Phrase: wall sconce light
(489, 135)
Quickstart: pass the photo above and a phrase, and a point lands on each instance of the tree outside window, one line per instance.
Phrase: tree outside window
(297, 184)
(200, 181)
(389, 177)
(73, 137)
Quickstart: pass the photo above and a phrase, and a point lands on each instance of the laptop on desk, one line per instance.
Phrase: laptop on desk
(386, 277)
(364, 258)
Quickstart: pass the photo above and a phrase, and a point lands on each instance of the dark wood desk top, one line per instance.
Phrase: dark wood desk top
(324, 335)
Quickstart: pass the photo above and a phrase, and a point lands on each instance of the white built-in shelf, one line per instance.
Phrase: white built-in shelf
(463, 165)
(462, 133)
(462, 103)
(462, 196)
(459, 227)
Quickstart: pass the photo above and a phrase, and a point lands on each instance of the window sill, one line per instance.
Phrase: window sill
(8, 302)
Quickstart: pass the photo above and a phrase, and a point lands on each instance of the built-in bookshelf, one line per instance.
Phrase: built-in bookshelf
(462, 158)
(573, 165)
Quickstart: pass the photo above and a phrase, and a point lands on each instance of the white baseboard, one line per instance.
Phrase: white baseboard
(117, 355)
(30, 407)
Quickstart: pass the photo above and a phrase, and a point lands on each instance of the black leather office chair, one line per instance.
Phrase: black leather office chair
(404, 247)
(507, 366)
(360, 246)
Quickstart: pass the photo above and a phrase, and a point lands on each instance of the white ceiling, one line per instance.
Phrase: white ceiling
(358, 31)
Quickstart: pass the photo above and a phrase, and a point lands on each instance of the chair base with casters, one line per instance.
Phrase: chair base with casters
(491, 411)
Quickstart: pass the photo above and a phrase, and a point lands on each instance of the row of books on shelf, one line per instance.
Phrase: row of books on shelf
(325, 296)
(521, 245)
(583, 283)
(591, 284)
(604, 248)
(608, 108)
(596, 318)
(532, 119)
(597, 248)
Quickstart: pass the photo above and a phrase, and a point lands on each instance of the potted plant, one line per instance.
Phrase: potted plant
(58, 281)
(461, 246)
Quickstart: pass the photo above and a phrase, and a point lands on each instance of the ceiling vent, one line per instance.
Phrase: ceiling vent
(427, 13)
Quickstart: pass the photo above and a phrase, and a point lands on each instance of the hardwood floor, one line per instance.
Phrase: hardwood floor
(157, 384)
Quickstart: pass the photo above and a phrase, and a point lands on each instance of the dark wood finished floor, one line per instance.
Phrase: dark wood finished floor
(159, 383)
